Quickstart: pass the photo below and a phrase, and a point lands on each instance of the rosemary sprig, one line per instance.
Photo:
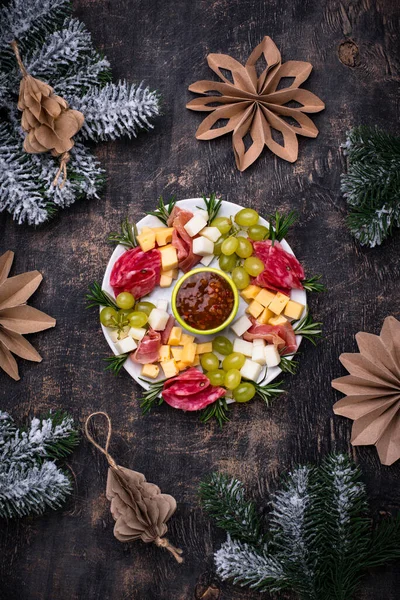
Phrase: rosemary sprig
(152, 397)
(312, 284)
(218, 410)
(98, 297)
(308, 328)
(269, 391)
(127, 236)
(288, 366)
(163, 212)
(279, 225)
(212, 205)
(115, 363)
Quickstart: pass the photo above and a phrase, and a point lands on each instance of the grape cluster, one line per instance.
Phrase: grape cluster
(129, 313)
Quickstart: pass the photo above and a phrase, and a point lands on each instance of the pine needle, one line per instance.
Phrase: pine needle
(163, 212)
(212, 206)
(312, 284)
(115, 363)
(152, 397)
(98, 297)
(279, 225)
(269, 392)
(127, 235)
(308, 328)
(289, 366)
(217, 410)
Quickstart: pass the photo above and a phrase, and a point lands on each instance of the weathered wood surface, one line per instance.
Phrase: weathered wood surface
(72, 555)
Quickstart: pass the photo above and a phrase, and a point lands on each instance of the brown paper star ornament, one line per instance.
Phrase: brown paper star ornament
(373, 391)
(253, 105)
(16, 318)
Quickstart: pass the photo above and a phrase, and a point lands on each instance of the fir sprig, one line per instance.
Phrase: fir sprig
(152, 397)
(98, 297)
(163, 212)
(279, 225)
(217, 410)
(212, 206)
(127, 236)
(289, 365)
(312, 284)
(268, 392)
(64, 445)
(116, 362)
(309, 329)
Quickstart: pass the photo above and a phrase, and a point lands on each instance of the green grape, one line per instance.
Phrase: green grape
(222, 345)
(218, 244)
(246, 217)
(229, 246)
(258, 233)
(209, 361)
(240, 278)
(245, 248)
(233, 361)
(108, 317)
(145, 307)
(227, 263)
(222, 223)
(216, 377)
(125, 300)
(137, 318)
(254, 266)
(244, 392)
(232, 379)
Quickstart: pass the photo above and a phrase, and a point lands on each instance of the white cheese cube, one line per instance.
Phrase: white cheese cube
(202, 246)
(212, 233)
(137, 333)
(126, 345)
(195, 225)
(272, 356)
(243, 347)
(200, 212)
(162, 304)
(115, 336)
(250, 370)
(259, 342)
(158, 319)
(206, 260)
(241, 325)
(258, 355)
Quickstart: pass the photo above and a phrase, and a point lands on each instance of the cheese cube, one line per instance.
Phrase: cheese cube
(203, 348)
(187, 339)
(158, 319)
(250, 370)
(272, 356)
(173, 273)
(196, 361)
(165, 352)
(181, 365)
(150, 371)
(201, 212)
(164, 236)
(265, 297)
(243, 347)
(206, 260)
(278, 320)
(258, 355)
(169, 257)
(203, 246)
(241, 325)
(278, 303)
(175, 337)
(170, 368)
(128, 344)
(147, 241)
(293, 310)
(212, 233)
(165, 280)
(117, 336)
(255, 309)
(265, 316)
(189, 353)
(163, 304)
(176, 352)
(195, 225)
(250, 292)
(259, 342)
(148, 230)
(137, 333)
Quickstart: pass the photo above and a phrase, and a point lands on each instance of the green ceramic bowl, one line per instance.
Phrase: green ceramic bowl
(226, 322)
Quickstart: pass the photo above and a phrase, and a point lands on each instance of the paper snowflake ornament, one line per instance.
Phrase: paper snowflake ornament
(254, 105)
(16, 318)
(373, 391)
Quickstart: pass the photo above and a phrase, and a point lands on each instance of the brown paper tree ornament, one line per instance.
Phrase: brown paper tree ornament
(138, 507)
(373, 391)
(254, 105)
(16, 318)
(47, 119)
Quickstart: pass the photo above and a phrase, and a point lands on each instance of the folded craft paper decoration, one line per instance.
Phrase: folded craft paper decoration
(253, 104)
(373, 391)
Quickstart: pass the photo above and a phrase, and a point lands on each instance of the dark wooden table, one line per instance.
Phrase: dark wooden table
(72, 555)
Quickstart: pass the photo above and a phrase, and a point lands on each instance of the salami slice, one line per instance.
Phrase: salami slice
(191, 391)
(282, 336)
(282, 272)
(136, 272)
(148, 350)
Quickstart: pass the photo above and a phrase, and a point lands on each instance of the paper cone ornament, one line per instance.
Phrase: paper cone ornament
(373, 391)
(16, 318)
(139, 508)
(253, 105)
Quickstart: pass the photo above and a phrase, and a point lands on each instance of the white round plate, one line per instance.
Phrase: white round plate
(227, 209)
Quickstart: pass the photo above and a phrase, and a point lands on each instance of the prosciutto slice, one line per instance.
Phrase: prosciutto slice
(181, 240)
(148, 350)
(166, 333)
(282, 272)
(136, 272)
(191, 391)
(282, 336)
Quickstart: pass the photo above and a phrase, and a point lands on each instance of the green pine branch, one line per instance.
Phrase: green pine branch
(217, 410)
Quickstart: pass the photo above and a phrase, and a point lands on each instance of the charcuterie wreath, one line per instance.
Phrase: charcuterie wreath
(204, 304)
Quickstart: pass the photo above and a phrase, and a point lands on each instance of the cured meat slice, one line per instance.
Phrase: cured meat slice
(165, 334)
(148, 350)
(282, 272)
(181, 240)
(191, 391)
(282, 336)
(136, 272)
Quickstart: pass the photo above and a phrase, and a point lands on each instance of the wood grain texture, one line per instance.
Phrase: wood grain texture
(72, 555)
